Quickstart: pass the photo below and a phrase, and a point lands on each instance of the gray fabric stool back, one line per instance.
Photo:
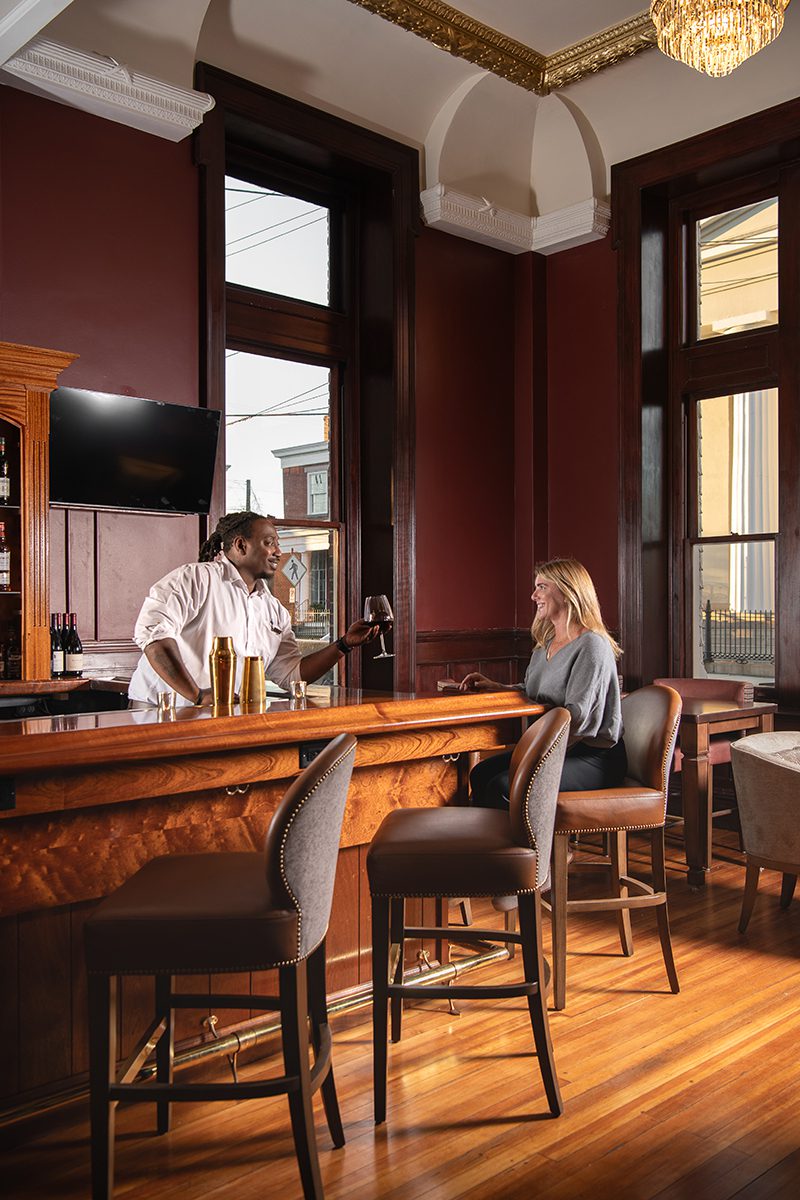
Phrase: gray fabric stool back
(766, 767)
(217, 913)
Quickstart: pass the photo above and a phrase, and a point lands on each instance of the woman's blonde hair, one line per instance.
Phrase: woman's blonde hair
(583, 608)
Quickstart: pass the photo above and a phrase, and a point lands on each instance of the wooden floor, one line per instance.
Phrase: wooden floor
(695, 1095)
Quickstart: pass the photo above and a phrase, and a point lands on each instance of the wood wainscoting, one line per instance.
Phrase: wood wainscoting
(502, 654)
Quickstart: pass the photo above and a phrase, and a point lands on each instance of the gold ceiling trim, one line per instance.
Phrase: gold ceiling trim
(466, 38)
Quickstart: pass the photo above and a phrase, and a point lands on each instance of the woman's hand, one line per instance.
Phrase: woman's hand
(475, 682)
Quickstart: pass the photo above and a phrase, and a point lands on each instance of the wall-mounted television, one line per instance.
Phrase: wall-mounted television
(125, 452)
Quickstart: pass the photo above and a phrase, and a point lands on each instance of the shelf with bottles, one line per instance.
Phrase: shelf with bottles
(10, 473)
(10, 649)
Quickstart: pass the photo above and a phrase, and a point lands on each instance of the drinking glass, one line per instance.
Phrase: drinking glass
(378, 611)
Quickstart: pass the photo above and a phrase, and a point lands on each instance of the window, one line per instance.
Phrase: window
(276, 242)
(308, 227)
(733, 555)
(281, 409)
(736, 258)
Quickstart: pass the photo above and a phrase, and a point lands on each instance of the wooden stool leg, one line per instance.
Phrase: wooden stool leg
(318, 1008)
(788, 884)
(511, 927)
(294, 1036)
(165, 1050)
(752, 876)
(558, 912)
(662, 912)
(102, 1072)
(618, 853)
(380, 1002)
(396, 931)
(530, 924)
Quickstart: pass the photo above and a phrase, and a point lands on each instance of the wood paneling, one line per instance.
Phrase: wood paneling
(501, 654)
(45, 1017)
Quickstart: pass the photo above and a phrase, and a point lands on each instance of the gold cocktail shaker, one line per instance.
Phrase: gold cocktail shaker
(222, 666)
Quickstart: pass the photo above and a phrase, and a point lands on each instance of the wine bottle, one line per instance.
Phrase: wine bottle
(73, 650)
(56, 648)
(5, 476)
(13, 655)
(5, 560)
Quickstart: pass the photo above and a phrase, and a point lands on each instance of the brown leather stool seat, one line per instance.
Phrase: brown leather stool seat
(202, 914)
(461, 852)
(650, 718)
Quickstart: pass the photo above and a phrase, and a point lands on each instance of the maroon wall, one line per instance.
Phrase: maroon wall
(583, 420)
(98, 246)
(464, 434)
(98, 256)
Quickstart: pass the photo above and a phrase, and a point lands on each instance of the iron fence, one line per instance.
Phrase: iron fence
(742, 637)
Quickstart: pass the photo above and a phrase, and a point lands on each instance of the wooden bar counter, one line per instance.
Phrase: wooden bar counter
(87, 799)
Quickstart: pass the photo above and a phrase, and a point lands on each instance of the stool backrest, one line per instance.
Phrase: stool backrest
(737, 690)
(302, 844)
(535, 777)
(650, 718)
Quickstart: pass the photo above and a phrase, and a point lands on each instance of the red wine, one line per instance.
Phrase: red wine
(382, 621)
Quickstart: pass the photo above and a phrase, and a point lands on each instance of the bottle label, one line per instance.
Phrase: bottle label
(5, 487)
(5, 568)
(74, 662)
(57, 662)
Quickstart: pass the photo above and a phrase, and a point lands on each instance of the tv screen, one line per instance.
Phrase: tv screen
(126, 452)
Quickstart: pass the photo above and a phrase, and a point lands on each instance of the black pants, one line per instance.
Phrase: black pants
(585, 769)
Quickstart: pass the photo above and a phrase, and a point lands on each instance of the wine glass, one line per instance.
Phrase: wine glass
(378, 611)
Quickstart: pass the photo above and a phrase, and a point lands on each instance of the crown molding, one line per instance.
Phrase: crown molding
(475, 218)
(106, 88)
(587, 221)
(599, 51)
(23, 19)
(463, 37)
(466, 38)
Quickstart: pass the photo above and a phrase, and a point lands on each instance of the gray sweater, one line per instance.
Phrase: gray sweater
(581, 677)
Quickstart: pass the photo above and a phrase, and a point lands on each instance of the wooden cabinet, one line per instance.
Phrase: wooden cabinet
(28, 374)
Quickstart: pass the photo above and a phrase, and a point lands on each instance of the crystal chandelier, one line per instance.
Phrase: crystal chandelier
(716, 36)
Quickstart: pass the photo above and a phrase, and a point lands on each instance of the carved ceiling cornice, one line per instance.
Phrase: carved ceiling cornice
(464, 37)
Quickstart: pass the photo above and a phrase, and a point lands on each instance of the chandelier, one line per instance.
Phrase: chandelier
(716, 36)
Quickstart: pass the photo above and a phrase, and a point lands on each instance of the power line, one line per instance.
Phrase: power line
(276, 225)
(285, 233)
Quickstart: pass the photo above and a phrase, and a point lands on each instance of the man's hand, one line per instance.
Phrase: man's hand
(361, 632)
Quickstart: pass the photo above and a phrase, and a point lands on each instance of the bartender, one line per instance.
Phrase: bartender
(226, 593)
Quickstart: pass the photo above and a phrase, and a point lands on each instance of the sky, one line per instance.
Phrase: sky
(278, 244)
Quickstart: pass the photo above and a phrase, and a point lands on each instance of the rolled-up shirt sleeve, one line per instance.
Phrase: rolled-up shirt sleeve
(169, 606)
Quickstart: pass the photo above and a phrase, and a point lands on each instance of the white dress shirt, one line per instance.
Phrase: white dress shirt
(201, 601)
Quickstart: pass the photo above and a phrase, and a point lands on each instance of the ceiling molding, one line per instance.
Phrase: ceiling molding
(462, 36)
(21, 20)
(599, 51)
(478, 220)
(100, 85)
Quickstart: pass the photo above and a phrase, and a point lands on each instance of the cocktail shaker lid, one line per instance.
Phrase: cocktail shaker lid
(222, 645)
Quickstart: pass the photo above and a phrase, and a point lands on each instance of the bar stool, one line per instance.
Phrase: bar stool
(650, 718)
(460, 852)
(205, 914)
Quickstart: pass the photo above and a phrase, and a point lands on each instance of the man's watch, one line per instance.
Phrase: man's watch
(342, 645)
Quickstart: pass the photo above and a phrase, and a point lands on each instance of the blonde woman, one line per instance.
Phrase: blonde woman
(574, 665)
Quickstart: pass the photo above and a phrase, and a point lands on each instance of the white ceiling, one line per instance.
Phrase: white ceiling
(479, 134)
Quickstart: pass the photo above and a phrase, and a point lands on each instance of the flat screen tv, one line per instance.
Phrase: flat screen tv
(125, 452)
